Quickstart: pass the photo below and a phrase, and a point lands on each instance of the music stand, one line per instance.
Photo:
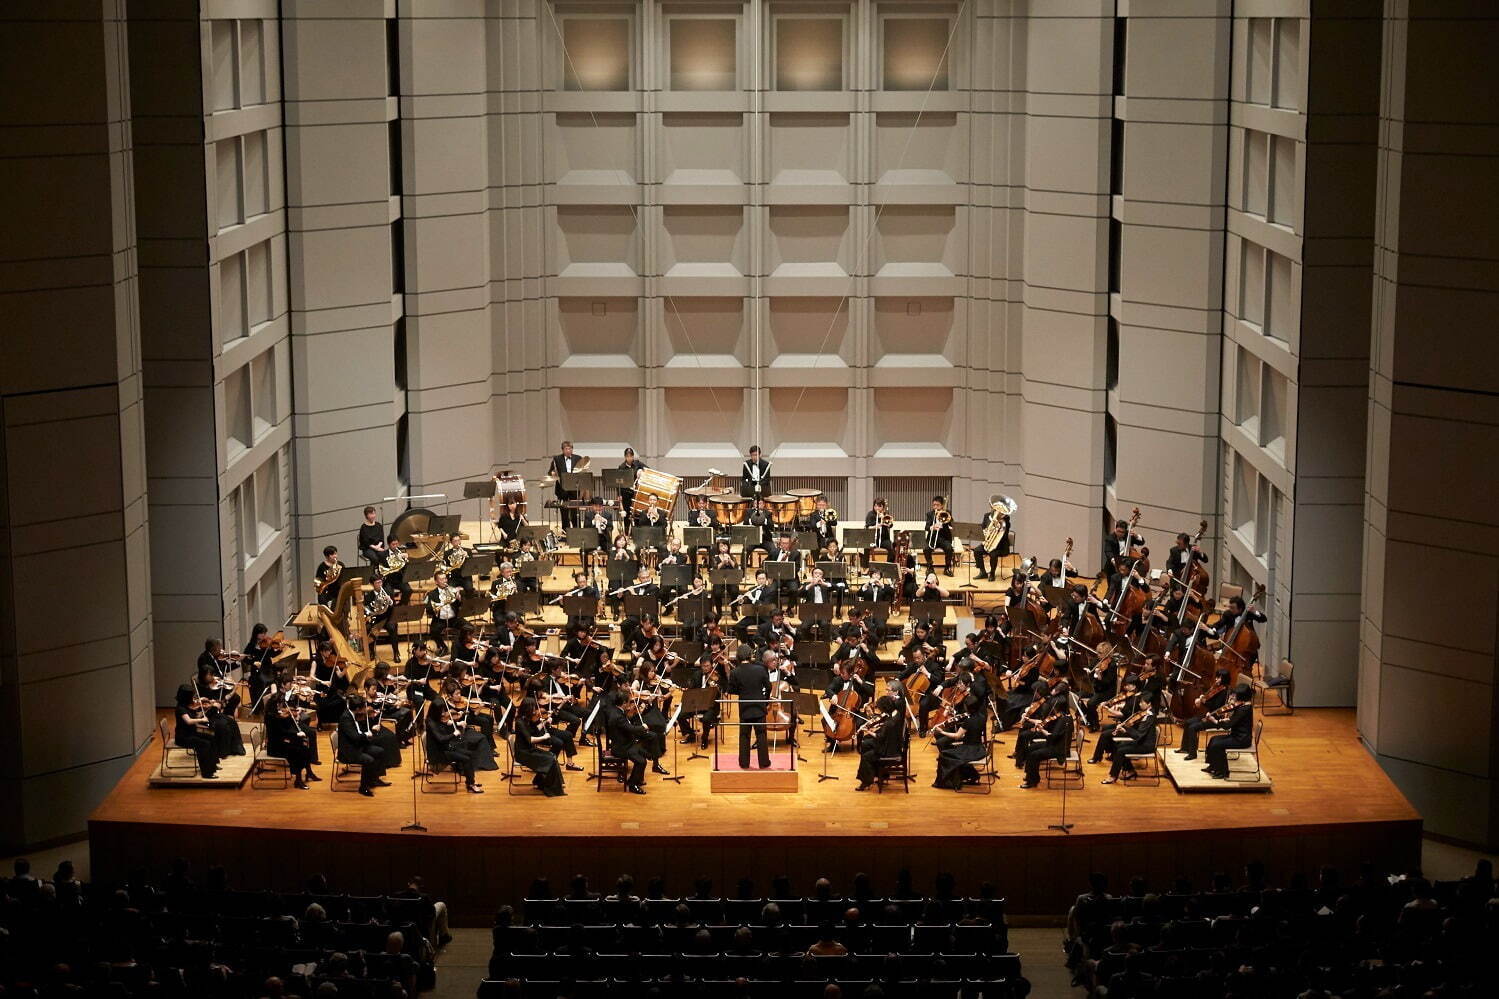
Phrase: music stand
(887, 571)
(615, 479)
(807, 541)
(638, 607)
(833, 570)
(676, 577)
(746, 536)
(621, 571)
(447, 524)
(585, 539)
(533, 532)
(725, 577)
(418, 572)
(858, 537)
(580, 608)
(694, 538)
(575, 482)
(810, 613)
(972, 536)
(697, 700)
(480, 564)
(917, 540)
(815, 654)
(649, 537)
(404, 614)
(690, 653)
(481, 490)
(473, 605)
(934, 611)
(525, 603)
(692, 610)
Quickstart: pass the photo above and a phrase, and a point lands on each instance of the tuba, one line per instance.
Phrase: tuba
(395, 561)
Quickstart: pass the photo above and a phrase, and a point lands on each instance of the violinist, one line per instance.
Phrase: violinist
(713, 673)
(219, 663)
(1122, 705)
(1230, 620)
(331, 682)
(628, 738)
(469, 646)
(1020, 685)
(750, 680)
(259, 658)
(882, 735)
(645, 636)
(469, 710)
(1105, 686)
(1038, 707)
(204, 695)
(357, 745)
(566, 713)
(654, 694)
(381, 704)
(194, 731)
(445, 746)
(534, 749)
(1052, 734)
(971, 669)
(419, 669)
(388, 695)
(1209, 701)
(960, 745)
(379, 608)
(288, 739)
(442, 604)
(724, 560)
(1133, 736)
(1240, 734)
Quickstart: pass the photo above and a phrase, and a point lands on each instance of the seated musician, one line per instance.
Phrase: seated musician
(1111, 712)
(1054, 577)
(419, 670)
(1209, 702)
(1105, 686)
(972, 668)
(557, 692)
(629, 738)
(1018, 590)
(217, 704)
(823, 525)
(883, 735)
(654, 696)
(471, 712)
(1001, 547)
(853, 650)
(920, 663)
(388, 695)
(884, 536)
(645, 636)
(697, 591)
(1051, 734)
(379, 609)
(960, 744)
(259, 659)
(288, 738)
(442, 604)
(446, 746)
(1168, 614)
(395, 580)
(931, 590)
(724, 559)
(194, 731)
(331, 682)
(817, 591)
(844, 677)
(921, 637)
(760, 517)
(601, 520)
(581, 588)
(357, 744)
(326, 575)
(1135, 735)
(763, 592)
(504, 587)
(1240, 734)
(777, 629)
(468, 647)
(220, 664)
(534, 749)
(371, 543)
(938, 537)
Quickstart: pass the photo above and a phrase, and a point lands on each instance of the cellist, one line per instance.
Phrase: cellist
(845, 680)
(922, 678)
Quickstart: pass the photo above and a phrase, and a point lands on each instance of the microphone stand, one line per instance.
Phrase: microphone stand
(1063, 826)
(415, 825)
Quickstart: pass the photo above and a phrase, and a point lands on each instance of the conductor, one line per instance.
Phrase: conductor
(751, 681)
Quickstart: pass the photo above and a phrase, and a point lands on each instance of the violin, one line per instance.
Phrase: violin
(275, 643)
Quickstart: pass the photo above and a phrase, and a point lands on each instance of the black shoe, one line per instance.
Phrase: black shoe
(366, 792)
(947, 572)
(300, 784)
(1027, 785)
(382, 783)
(573, 767)
(863, 787)
(635, 789)
(475, 789)
(313, 778)
(585, 741)
(1189, 757)
(1095, 760)
(657, 768)
(1207, 770)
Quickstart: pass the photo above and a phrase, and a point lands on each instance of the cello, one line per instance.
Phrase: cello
(843, 709)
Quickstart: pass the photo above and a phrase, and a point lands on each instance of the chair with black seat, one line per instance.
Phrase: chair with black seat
(607, 768)
(266, 770)
(1147, 769)
(512, 766)
(973, 938)
(792, 909)
(536, 910)
(897, 767)
(346, 776)
(706, 910)
(1068, 772)
(742, 910)
(934, 938)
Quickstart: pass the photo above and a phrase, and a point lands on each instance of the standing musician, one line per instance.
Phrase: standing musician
(325, 577)
(288, 739)
(1116, 551)
(1226, 624)
(379, 607)
(1182, 555)
(996, 529)
(442, 603)
(751, 682)
(1052, 734)
(356, 744)
(938, 535)
(565, 462)
(627, 493)
(1211, 701)
(533, 748)
(509, 522)
(628, 738)
(371, 543)
(1134, 736)
(884, 528)
(882, 735)
(446, 745)
(754, 481)
(1240, 734)
(960, 744)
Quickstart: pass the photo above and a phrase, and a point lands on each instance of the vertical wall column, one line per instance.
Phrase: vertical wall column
(1170, 138)
(1427, 703)
(1065, 310)
(445, 208)
(342, 222)
(72, 453)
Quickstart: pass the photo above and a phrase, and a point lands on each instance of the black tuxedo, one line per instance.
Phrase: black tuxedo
(884, 537)
(628, 736)
(751, 681)
(748, 484)
(356, 744)
(563, 463)
(938, 539)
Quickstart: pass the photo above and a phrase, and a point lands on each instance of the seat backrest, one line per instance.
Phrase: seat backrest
(333, 743)
(166, 735)
(256, 738)
(1285, 668)
(1259, 727)
(1227, 590)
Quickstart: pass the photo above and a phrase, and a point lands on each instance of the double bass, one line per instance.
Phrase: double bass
(1241, 646)
(1192, 675)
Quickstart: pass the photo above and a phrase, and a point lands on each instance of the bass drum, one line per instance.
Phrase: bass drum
(509, 487)
(655, 489)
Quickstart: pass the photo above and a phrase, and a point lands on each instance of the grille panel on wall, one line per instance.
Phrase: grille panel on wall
(910, 496)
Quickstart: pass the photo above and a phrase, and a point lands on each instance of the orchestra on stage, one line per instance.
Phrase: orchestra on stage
(652, 617)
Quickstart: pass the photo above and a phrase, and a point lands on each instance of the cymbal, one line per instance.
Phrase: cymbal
(700, 491)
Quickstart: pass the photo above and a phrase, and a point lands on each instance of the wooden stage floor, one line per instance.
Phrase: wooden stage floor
(1330, 801)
